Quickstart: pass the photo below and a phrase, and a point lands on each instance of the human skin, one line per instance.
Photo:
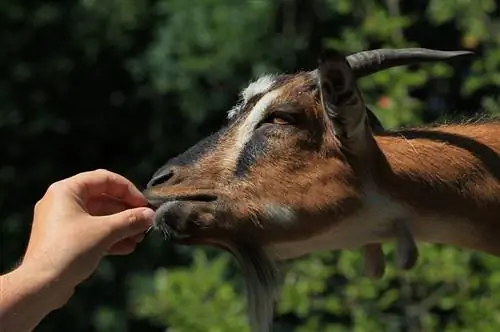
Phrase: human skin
(77, 222)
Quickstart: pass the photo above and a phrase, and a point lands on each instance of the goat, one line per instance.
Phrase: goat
(303, 166)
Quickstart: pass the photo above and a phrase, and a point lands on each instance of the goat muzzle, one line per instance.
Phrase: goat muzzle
(183, 218)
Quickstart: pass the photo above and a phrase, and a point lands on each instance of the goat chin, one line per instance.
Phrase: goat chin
(262, 283)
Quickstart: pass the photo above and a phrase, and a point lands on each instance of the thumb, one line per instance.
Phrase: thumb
(128, 223)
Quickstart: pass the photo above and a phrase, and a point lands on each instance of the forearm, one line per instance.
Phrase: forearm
(27, 296)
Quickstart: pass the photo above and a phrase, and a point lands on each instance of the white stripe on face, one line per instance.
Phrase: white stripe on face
(262, 85)
(246, 129)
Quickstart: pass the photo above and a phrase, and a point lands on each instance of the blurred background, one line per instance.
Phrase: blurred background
(125, 85)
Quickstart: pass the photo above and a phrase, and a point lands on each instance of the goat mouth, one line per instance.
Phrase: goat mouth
(184, 218)
(176, 237)
(155, 202)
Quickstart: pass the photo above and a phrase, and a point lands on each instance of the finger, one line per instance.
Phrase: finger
(128, 223)
(94, 183)
(138, 238)
(104, 205)
(126, 246)
(123, 247)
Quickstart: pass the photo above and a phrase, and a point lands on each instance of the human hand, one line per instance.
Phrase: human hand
(82, 218)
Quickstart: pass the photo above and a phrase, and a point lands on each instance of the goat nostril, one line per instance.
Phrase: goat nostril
(161, 179)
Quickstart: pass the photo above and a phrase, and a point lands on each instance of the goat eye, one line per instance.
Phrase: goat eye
(280, 118)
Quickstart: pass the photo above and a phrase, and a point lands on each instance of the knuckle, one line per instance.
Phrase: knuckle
(132, 218)
(107, 174)
(128, 224)
(102, 171)
(38, 204)
(54, 187)
(52, 190)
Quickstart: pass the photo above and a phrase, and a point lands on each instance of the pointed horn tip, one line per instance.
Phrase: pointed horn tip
(329, 54)
(416, 52)
(461, 53)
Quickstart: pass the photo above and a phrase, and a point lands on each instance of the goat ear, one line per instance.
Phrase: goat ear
(375, 124)
(343, 102)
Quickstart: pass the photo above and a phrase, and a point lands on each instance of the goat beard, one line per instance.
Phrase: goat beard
(261, 278)
(260, 274)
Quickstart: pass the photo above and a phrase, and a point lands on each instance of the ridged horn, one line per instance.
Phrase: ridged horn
(369, 62)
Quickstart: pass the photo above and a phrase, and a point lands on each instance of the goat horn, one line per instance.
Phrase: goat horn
(369, 62)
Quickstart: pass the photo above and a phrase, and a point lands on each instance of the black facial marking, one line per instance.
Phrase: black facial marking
(194, 153)
(252, 150)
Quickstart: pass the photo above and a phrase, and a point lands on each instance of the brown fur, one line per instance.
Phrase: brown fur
(445, 171)
(326, 182)
(309, 160)
(452, 171)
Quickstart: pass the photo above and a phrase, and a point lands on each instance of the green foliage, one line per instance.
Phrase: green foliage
(126, 85)
(196, 306)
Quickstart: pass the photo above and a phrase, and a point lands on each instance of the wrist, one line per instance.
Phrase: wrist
(38, 285)
(27, 296)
